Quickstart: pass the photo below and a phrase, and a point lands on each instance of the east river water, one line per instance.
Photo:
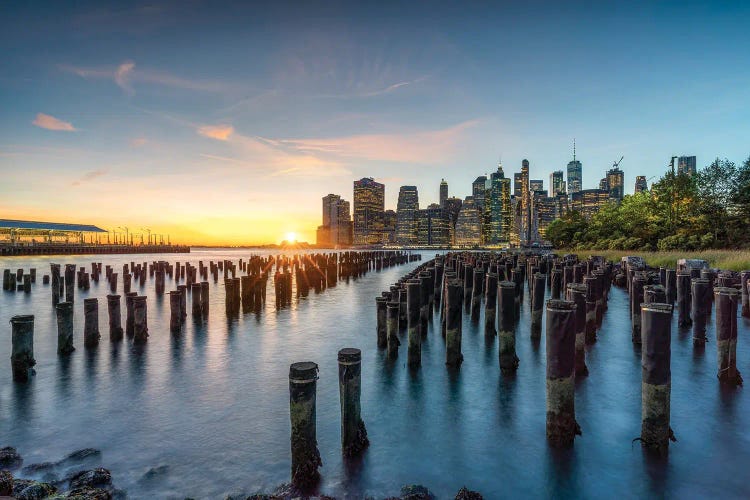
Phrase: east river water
(212, 403)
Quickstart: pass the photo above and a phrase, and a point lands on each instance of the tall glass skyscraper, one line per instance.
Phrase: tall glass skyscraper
(616, 183)
(686, 165)
(575, 173)
(406, 215)
(369, 209)
(556, 183)
(443, 193)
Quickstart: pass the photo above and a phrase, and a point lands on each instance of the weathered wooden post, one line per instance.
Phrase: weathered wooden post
(683, 299)
(26, 283)
(302, 393)
(70, 271)
(591, 291)
(115, 318)
(636, 299)
(656, 377)
(453, 356)
(140, 317)
(537, 304)
(113, 282)
(392, 328)
(195, 291)
(476, 292)
(353, 432)
(468, 282)
(654, 294)
(127, 280)
(562, 427)
(129, 314)
(425, 291)
(671, 285)
(64, 313)
(381, 303)
(91, 334)
(175, 311)
(205, 301)
(183, 300)
(6, 279)
(577, 294)
(490, 304)
(700, 298)
(744, 277)
(22, 347)
(413, 306)
(506, 310)
(555, 283)
(726, 334)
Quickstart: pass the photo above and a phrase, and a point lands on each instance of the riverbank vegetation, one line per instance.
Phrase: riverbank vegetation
(730, 260)
(708, 210)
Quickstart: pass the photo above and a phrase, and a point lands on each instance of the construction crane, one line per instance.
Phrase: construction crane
(617, 163)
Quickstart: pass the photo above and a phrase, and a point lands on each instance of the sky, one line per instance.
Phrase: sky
(226, 123)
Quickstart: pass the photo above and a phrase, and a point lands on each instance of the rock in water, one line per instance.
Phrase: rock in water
(89, 494)
(80, 455)
(38, 468)
(466, 494)
(6, 483)
(31, 490)
(416, 492)
(98, 478)
(9, 458)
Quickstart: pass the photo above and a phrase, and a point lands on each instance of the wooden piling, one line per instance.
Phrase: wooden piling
(745, 290)
(453, 356)
(302, 395)
(91, 334)
(683, 299)
(555, 283)
(700, 298)
(576, 293)
(656, 377)
(64, 313)
(414, 306)
(115, 318)
(140, 317)
(726, 335)
(353, 431)
(175, 311)
(22, 347)
(638, 281)
(392, 329)
(130, 314)
(506, 311)
(205, 299)
(490, 304)
(562, 427)
(382, 332)
(537, 304)
(195, 292)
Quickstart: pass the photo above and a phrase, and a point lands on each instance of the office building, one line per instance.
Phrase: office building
(517, 181)
(641, 184)
(389, 227)
(589, 201)
(497, 219)
(546, 211)
(686, 165)
(336, 230)
(452, 209)
(443, 193)
(468, 225)
(406, 215)
(432, 227)
(616, 183)
(575, 173)
(536, 185)
(556, 183)
(478, 188)
(369, 211)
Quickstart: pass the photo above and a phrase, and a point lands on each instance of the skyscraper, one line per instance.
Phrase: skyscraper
(575, 173)
(536, 185)
(443, 193)
(498, 209)
(406, 215)
(517, 181)
(641, 184)
(589, 201)
(468, 224)
(369, 208)
(686, 165)
(337, 226)
(478, 188)
(432, 227)
(452, 209)
(556, 183)
(616, 183)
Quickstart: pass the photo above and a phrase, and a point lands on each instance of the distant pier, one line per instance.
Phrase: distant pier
(83, 249)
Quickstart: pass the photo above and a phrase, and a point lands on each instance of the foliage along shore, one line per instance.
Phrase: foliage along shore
(728, 260)
(708, 210)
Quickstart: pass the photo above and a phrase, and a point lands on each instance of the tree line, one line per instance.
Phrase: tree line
(710, 209)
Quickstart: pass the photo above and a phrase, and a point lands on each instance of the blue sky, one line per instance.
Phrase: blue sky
(202, 117)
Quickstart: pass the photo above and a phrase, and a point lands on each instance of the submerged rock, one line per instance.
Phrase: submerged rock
(155, 472)
(80, 455)
(416, 492)
(38, 468)
(23, 489)
(6, 483)
(89, 494)
(466, 494)
(9, 458)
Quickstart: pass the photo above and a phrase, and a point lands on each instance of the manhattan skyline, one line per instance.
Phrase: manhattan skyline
(221, 124)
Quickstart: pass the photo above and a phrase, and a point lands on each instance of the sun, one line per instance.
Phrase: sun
(291, 237)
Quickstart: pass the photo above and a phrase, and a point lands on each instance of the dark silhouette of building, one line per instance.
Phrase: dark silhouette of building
(443, 193)
(616, 183)
(337, 224)
(406, 215)
(556, 183)
(369, 211)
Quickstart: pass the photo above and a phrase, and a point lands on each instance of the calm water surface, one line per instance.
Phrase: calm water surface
(212, 402)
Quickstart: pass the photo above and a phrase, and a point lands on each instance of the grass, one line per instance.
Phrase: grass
(728, 260)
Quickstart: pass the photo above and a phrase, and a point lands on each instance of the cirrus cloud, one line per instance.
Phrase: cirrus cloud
(51, 123)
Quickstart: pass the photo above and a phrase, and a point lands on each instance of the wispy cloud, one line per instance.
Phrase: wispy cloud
(126, 74)
(89, 176)
(218, 132)
(51, 123)
(138, 142)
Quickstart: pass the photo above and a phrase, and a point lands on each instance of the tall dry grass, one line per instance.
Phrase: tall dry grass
(730, 260)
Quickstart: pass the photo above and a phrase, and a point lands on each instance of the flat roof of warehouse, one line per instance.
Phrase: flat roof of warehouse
(49, 226)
